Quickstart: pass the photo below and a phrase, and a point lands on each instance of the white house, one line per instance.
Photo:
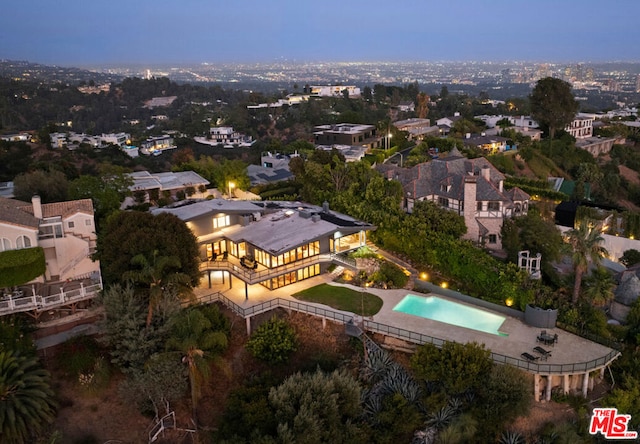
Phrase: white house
(66, 232)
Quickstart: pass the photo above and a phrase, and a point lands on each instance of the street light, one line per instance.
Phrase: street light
(389, 140)
(232, 185)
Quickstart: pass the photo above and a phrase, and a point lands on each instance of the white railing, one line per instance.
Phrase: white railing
(36, 302)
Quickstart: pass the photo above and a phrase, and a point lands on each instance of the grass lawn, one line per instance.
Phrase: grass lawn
(342, 298)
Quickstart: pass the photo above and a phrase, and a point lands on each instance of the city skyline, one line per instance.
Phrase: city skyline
(195, 31)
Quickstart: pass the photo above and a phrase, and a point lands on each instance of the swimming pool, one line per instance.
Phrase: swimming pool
(442, 310)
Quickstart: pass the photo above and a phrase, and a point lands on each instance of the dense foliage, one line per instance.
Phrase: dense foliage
(129, 234)
(18, 267)
(273, 341)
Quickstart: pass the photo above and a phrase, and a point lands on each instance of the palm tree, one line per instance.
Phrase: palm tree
(193, 337)
(158, 274)
(599, 287)
(26, 399)
(585, 242)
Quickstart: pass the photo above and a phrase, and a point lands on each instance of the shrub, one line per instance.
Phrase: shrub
(20, 266)
(391, 275)
(273, 341)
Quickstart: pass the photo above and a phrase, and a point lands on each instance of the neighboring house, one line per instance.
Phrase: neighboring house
(473, 188)
(166, 184)
(417, 128)
(290, 100)
(349, 134)
(446, 123)
(227, 137)
(523, 122)
(157, 145)
(66, 232)
(351, 153)
(581, 127)
(272, 168)
(159, 102)
(488, 144)
(120, 139)
(268, 243)
(334, 91)
(407, 106)
(21, 137)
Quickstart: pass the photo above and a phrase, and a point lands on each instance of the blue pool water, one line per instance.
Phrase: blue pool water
(442, 310)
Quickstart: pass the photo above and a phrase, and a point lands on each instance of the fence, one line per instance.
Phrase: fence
(419, 338)
(405, 335)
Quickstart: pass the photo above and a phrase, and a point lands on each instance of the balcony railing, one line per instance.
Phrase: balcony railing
(37, 302)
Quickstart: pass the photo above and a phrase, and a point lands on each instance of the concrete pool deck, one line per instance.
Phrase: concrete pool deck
(570, 350)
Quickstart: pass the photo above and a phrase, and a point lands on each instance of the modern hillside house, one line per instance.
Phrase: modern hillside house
(58, 240)
(350, 134)
(473, 188)
(268, 243)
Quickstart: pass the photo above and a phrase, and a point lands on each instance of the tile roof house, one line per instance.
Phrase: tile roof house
(66, 233)
(473, 188)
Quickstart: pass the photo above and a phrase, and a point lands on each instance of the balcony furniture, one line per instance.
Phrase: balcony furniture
(529, 357)
(544, 354)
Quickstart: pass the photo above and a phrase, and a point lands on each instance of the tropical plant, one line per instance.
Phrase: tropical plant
(585, 242)
(599, 286)
(26, 399)
(511, 438)
(193, 337)
(159, 274)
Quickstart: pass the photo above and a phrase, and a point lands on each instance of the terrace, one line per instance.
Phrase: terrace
(38, 298)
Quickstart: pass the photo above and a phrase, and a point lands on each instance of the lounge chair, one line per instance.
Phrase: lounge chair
(545, 354)
(529, 357)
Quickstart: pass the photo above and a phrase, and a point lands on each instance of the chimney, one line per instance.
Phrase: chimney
(486, 173)
(325, 207)
(37, 206)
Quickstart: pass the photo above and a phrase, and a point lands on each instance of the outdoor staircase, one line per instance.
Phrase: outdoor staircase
(337, 272)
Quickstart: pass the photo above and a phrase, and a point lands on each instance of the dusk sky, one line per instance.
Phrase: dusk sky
(81, 32)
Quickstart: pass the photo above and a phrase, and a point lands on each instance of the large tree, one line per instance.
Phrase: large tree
(128, 234)
(27, 402)
(585, 242)
(553, 104)
(314, 408)
(50, 185)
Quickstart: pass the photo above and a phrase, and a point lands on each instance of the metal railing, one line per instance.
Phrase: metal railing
(272, 304)
(420, 339)
(406, 335)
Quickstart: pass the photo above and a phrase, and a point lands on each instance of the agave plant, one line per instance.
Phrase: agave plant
(442, 417)
(510, 437)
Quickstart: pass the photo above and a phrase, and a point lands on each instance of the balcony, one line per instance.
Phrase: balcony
(38, 298)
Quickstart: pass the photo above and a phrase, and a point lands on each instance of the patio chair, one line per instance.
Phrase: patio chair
(555, 338)
(544, 353)
(529, 357)
(225, 255)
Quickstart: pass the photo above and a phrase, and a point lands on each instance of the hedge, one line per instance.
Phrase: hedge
(18, 267)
